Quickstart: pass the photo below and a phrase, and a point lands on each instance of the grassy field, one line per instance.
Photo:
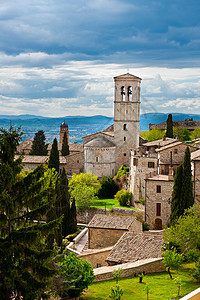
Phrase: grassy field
(161, 286)
(109, 204)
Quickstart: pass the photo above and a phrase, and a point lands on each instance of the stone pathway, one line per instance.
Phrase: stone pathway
(81, 243)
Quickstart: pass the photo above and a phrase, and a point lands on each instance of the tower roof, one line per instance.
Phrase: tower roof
(64, 125)
(100, 141)
(127, 76)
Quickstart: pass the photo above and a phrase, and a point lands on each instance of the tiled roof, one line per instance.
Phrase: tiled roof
(111, 222)
(36, 159)
(175, 144)
(131, 247)
(99, 141)
(195, 155)
(160, 142)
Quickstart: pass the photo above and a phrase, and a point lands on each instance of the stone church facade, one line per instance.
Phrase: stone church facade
(106, 151)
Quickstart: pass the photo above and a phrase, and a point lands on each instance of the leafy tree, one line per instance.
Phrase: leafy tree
(123, 197)
(153, 134)
(54, 156)
(182, 134)
(187, 187)
(196, 271)
(65, 146)
(176, 212)
(83, 188)
(169, 132)
(195, 133)
(24, 255)
(172, 260)
(117, 274)
(38, 146)
(116, 293)
(76, 275)
(186, 231)
(108, 188)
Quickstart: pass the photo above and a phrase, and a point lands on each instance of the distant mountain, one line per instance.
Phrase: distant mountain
(79, 126)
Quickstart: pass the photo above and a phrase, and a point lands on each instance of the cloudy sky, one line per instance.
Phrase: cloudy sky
(59, 57)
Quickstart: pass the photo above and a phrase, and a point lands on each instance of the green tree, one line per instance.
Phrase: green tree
(76, 275)
(65, 146)
(187, 187)
(182, 134)
(64, 199)
(186, 231)
(169, 132)
(54, 156)
(172, 260)
(24, 255)
(83, 188)
(108, 188)
(38, 146)
(73, 220)
(153, 134)
(176, 212)
(182, 195)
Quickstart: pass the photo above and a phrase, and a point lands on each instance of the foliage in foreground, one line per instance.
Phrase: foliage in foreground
(116, 293)
(75, 275)
(25, 268)
(172, 260)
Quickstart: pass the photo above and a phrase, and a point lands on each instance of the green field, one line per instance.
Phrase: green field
(110, 203)
(161, 286)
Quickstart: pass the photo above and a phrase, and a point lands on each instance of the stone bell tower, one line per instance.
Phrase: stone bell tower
(63, 129)
(126, 117)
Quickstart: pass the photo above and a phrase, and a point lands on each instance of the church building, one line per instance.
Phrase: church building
(106, 151)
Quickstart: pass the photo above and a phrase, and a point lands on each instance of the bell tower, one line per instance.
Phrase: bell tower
(126, 117)
(63, 129)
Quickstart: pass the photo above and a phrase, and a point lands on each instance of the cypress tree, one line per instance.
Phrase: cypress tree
(64, 203)
(38, 146)
(73, 220)
(54, 156)
(65, 146)
(187, 187)
(176, 210)
(169, 132)
(24, 254)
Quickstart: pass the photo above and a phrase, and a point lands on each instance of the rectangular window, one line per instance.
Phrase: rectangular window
(158, 209)
(151, 164)
(124, 139)
(124, 154)
(175, 151)
(158, 188)
(125, 127)
(135, 161)
(97, 159)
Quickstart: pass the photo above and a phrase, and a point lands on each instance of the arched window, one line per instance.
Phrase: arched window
(130, 93)
(125, 127)
(123, 93)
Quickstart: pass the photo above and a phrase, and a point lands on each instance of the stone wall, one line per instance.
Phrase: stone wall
(153, 265)
(86, 216)
(102, 238)
(196, 164)
(96, 257)
(74, 163)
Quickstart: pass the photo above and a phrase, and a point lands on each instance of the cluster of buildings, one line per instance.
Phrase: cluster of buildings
(152, 164)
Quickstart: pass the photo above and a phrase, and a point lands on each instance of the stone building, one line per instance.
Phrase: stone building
(157, 201)
(105, 231)
(195, 165)
(106, 151)
(189, 124)
(64, 129)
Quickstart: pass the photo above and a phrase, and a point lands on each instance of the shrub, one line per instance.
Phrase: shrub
(145, 226)
(122, 171)
(108, 188)
(123, 197)
(116, 293)
(192, 255)
(142, 201)
(196, 273)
